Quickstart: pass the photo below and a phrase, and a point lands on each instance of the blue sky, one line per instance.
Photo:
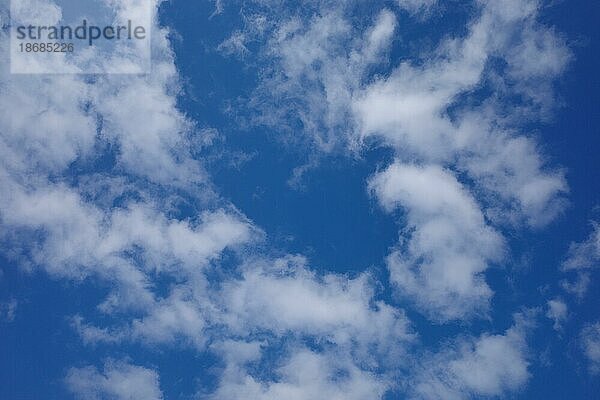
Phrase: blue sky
(316, 200)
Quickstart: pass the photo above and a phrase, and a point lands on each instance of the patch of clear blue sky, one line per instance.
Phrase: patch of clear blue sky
(332, 220)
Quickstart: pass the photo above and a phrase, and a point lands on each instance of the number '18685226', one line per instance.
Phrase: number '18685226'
(46, 47)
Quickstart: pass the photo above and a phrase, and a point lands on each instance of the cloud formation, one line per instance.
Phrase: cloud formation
(448, 245)
(582, 258)
(557, 312)
(102, 187)
(286, 298)
(303, 375)
(118, 380)
(429, 110)
(490, 365)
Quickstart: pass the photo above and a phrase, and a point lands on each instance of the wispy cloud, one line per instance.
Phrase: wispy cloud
(590, 342)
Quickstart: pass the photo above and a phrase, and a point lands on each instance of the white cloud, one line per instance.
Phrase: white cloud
(557, 312)
(255, 26)
(118, 380)
(80, 240)
(490, 365)
(448, 247)
(49, 124)
(585, 255)
(590, 342)
(319, 78)
(8, 310)
(377, 38)
(579, 286)
(178, 320)
(234, 45)
(286, 298)
(316, 70)
(53, 120)
(581, 258)
(409, 109)
(511, 173)
(437, 263)
(91, 335)
(415, 6)
(305, 375)
(50, 121)
(179, 316)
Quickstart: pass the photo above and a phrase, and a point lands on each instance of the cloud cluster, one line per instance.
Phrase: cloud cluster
(94, 171)
(305, 375)
(458, 108)
(286, 298)
(58, 130)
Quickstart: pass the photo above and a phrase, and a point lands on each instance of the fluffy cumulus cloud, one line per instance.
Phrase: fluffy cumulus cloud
(118, 380)
(304, 376)
(490, 365)
(286, 298)
(410, 110)
(449, 244)
(90, 226)
(121, 227)
(180, 318)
